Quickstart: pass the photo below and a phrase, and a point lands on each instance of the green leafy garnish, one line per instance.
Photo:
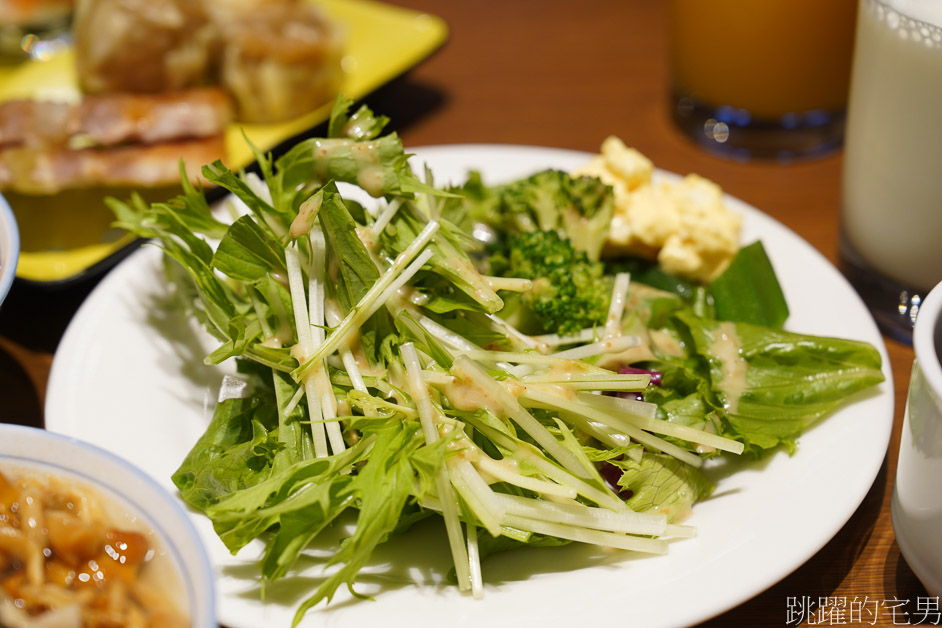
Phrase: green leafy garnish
(748, 291)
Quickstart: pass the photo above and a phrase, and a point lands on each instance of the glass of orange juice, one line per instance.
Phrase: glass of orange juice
(764, 78)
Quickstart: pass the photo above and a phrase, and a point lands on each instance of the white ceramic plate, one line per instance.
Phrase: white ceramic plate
(128, 376)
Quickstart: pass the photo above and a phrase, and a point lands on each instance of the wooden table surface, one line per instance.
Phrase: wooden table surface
(566, 75)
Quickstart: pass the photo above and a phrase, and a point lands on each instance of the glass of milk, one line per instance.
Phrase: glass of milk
(891, 219)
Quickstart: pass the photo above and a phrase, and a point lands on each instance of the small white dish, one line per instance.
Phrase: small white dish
(9, 247)
(143, 504)
(917, 495)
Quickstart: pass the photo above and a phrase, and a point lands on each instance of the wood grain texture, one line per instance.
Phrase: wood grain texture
(564, 74)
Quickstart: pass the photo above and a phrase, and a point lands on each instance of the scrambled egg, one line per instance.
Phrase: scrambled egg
(684, 225)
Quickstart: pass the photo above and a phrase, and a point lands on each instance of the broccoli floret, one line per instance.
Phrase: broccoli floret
(570, 292)
(577, 208)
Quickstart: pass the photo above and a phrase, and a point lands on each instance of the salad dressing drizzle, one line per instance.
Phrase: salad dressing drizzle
(728, 351)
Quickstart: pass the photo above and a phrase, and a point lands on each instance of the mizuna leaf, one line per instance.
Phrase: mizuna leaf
(249, 253)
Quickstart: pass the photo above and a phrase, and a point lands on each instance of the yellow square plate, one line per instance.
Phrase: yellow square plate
(67, 240)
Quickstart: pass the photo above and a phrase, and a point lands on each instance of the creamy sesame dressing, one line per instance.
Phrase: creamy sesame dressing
(727, 349)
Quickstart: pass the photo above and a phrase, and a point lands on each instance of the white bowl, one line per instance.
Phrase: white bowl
(9, 247)
(917, 495)
(144, 503)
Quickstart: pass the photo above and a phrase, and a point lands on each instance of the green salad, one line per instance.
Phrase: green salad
(465, 353)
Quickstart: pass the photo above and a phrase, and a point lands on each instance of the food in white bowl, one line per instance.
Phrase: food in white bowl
(87, 539)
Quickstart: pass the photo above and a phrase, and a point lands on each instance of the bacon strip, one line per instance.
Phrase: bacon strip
(35, 123)
(48, 170)
(113, 119)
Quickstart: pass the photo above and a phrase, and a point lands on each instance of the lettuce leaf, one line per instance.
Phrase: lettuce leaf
(661, 483)
(773, 384)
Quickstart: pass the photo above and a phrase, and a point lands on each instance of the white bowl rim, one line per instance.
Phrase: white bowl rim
(9, 247)
(12, 430)
(924, 335)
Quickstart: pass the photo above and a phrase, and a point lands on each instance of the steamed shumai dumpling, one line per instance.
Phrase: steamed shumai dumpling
(279, 60)
(276, 59)
(143, 46)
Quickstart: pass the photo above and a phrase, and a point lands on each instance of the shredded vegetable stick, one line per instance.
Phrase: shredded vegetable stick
(446, 495)
(616, 308)
(306, 345)
(371, 300)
